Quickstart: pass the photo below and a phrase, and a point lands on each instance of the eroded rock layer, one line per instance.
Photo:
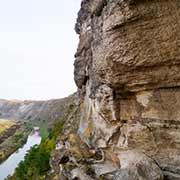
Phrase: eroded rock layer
(127, 71)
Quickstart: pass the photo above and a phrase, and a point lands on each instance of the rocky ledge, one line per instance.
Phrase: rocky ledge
(127, 72)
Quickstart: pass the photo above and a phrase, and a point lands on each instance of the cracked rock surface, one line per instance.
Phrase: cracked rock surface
(127, 72)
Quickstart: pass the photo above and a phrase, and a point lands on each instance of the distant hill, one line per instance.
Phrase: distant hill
(50, 110)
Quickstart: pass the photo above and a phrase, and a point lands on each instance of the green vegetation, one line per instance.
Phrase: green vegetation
(18, 136)
(36, 163)
(43, 131)
(57, 128)
(28, 125)
(43, 127)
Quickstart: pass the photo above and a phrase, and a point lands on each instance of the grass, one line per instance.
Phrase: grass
(5, 124)
(43, 128)
(44, 133)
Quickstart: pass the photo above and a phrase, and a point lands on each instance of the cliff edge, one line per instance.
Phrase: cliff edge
(127, 72)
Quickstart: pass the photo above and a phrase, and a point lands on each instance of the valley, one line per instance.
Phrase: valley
(17, 119)
(34, 112)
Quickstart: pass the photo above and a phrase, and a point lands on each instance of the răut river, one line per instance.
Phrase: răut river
(9, 165)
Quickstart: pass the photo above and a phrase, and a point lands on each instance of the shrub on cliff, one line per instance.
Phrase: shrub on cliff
(36, 163)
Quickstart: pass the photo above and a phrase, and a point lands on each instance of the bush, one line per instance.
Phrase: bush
(36, 161)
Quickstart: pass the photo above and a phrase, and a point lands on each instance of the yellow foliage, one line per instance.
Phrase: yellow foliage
(5, 124)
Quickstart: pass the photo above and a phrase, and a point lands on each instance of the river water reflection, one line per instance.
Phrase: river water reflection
(8, 166)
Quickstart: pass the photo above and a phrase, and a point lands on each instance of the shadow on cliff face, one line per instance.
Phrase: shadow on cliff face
(126, 69)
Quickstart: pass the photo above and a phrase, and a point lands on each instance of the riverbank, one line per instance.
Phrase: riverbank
(12, 139)
(8, 167)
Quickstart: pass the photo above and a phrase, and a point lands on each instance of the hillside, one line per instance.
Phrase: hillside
(12, 136)
(5, 124)
(48, 111)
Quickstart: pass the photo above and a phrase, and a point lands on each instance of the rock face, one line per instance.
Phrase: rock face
(127, 71)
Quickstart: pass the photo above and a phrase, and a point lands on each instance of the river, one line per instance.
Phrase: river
(8, 166)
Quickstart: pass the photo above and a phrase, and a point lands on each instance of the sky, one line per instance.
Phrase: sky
(37, 47)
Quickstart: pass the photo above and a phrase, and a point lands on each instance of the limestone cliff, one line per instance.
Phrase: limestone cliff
(127, 72)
